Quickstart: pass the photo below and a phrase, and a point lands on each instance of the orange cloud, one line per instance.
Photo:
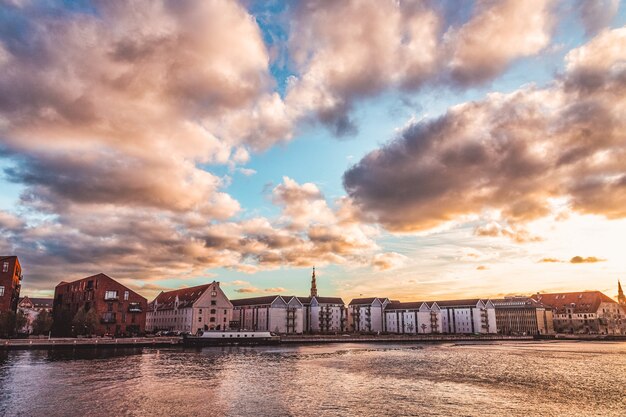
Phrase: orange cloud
(587, 260)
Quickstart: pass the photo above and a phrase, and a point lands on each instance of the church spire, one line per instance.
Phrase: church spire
(313, 285)
(620, 294)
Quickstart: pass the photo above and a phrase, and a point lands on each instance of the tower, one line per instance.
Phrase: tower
(313, 285)
(621, 299)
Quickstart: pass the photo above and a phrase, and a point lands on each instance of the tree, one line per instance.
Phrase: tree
(21, 321)
(85, 321)
(7, 324)
(42, 323)
(91, 321)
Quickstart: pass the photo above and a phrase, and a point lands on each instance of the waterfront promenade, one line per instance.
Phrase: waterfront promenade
(106, 343)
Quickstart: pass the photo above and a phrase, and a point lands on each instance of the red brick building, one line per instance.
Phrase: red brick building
(120, 311)
(10, 283)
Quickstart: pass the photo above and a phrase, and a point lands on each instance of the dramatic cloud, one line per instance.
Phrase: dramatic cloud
(346, 50)
(120, 103)
(512, 153)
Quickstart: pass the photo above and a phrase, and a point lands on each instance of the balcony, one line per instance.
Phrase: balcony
(134, 308)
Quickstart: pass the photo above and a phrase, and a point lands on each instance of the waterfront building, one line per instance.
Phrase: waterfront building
(324, 314)
(203, 307)
(119, 310)
(586, 312)
(523, 316)
(273, 313)
(31, 307)
(10, 283)
(621, 298)
(467, 316)
(413, 318)
(367, 314)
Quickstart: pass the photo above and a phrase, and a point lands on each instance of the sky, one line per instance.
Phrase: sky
(416, 150)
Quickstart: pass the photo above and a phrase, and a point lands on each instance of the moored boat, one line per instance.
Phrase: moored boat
(218, 338)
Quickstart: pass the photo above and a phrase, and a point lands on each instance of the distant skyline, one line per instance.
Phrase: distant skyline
(416, 150)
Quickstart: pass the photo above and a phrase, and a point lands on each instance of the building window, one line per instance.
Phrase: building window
(1, 290)
(200, 311)
(213, 302)
(212, 311)
(5, 267)
(110, 295)
(126, 294)
(213, 293)
(199, 319)
(212, 319)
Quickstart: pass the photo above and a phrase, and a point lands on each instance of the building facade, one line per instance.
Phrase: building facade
(274, 313)
(31, 307)
(366, 315)
(120, 310)
(204, 307)
(523, 316)
(413, 318)
(587, 312)
(468, 316)
(10, 283)
(324, 314)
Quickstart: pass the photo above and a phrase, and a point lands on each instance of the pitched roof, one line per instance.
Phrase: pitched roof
(329, 300)
(305, 300)
(254, 301)
(186, 297)
(582, 302)
(396, 305)
(458, 303)
(3, 257)
(516, 302)
(361, 301)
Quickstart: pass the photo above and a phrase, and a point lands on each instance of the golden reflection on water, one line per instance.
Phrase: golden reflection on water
(525, 379)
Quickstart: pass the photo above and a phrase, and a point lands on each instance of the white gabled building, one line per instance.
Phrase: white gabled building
(367, 315)
(413, 318)
(468, 316)
(274, 313)
(453, 317)
(204, 307)
(324, 314)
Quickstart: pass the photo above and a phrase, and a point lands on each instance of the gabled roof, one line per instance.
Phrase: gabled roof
(367, 301)
(329, 300)
(254, 301)
(7, 257)
(459, 303)
(396, 305)
(39, 302)
(516, 302)
(186, 297)
(581, 302)
(305, 300)
(97, 276)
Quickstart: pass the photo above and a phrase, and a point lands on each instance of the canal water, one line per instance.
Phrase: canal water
(495, 379)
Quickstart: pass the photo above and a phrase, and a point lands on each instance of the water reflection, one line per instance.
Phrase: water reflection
(383, 380)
